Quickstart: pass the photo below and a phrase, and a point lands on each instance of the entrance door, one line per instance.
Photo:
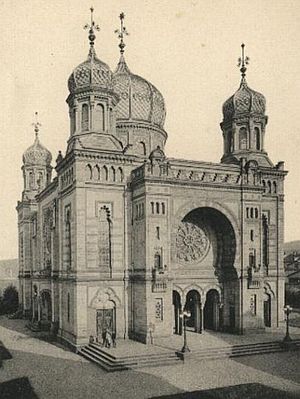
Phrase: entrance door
(267, 310)
(211, 311)
(105, 321)
(193, 305)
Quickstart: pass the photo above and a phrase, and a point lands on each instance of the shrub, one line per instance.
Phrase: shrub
(9, 302)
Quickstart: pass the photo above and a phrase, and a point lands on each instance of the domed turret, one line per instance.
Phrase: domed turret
(244, 123)
(37, 154)
(139, 99)
(36, 167)
(141, 110)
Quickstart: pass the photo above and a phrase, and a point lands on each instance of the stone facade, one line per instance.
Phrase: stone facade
(124, 238)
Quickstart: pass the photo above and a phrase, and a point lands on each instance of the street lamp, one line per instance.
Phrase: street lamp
(185, 315)
(287, 311)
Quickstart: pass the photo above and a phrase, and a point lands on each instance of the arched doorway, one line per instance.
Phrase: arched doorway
(177, 312)
(106, 320)
(193, 305)
(267, 310)
(211, 310)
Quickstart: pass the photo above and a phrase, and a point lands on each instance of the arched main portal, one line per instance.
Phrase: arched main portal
(212, 311)
(204, 248)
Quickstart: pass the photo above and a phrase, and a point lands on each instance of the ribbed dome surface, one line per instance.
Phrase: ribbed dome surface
(139, 99)
(37, 154)
(244, 101)
(91, 73)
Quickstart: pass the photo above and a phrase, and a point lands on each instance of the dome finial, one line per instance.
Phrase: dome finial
(36, 124)
(242, 62)
(121, 33)
(92, 27)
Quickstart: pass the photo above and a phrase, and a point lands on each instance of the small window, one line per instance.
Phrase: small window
(157, 261)
(85, 118)
(163, 208)
(269, 187)
(251, 213)
(158, 232)
(247, 212)
(257, 138)
(157, 208)
(256, 213)
(243, 138)
(152, 207)
(274, 187)
(251, 259)
(252, 235)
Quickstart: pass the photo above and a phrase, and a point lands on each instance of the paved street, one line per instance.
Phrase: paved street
(41, 370)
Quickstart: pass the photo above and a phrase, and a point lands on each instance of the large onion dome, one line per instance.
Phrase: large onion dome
(37, 154)
(139, 100)
(244, 101)
(90, 73)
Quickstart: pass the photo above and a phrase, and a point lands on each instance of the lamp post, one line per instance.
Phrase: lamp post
(287, 311)
(184, 316)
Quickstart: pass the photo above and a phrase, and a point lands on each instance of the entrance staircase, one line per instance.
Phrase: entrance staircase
(110, 362)
(238, 350)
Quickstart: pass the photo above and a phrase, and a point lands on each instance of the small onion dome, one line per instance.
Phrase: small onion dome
(37, 154)
(157, 155)
(244, 101)
(91, 73)
(139, 99)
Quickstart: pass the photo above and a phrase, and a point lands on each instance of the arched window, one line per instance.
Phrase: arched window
(120, 175)
(251, 213)
(274, 187)
(257, 138)
(163, 208)
(41, 180)
(104, 242)
(264, 185)
(85, 118)
(157, 261)
(269, 187)
(252, 259)
(243, 138)
(256, 213)
(68, 246)
(157, 207)
(230, 142)
(96, 173)
(31, 180)
(252, 235)
(99, 118)
(265, 243)
(105, 173)
(152, 207)
(113, 173)
(143, 148)
(88, 172)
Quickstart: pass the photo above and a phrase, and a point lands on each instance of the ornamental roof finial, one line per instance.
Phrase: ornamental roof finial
(92, 27)
(242, 62)
(121, 33)
(36, 125)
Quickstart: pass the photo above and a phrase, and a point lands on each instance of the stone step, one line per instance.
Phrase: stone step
(110, 363)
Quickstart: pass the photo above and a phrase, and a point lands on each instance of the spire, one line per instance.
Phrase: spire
(36, 125)
(121, 33)
(92, 37)
(242, 62)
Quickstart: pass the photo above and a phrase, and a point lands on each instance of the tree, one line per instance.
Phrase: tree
(10, 300)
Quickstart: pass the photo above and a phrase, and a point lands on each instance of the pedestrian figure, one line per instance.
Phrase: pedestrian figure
(108, 340)
(113, 337)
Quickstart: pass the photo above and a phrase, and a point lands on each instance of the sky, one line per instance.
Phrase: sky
(187, 48)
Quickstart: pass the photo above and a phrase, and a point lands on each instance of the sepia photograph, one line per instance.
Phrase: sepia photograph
(150, 211)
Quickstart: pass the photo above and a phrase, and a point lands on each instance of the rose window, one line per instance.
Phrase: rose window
(191, 242)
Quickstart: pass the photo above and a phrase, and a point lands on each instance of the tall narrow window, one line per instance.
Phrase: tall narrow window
(257, 138)
(143, 148)
(163, 208)
(158, 232)
(269, 187)
(157, 208)
(274, 187)
(252, 262)
(99, 118)
(157, 261)
(104, 242)
(85, 118)
(68, 248)
(243, 138)
(265, 242)
(152, 207)
(68, 307)
(31, 180)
